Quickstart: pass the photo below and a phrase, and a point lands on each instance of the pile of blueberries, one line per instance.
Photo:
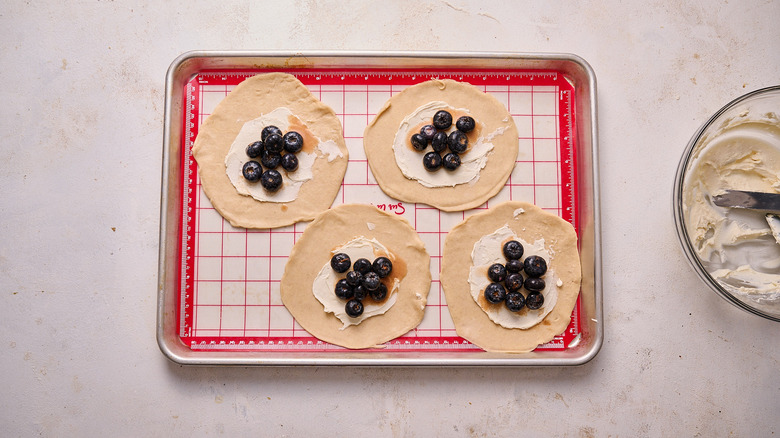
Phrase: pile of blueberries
(365, 279)
(507, 281)
(435, 135)
(274, 149)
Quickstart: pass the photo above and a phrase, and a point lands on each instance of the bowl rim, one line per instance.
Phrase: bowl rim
(677, 207)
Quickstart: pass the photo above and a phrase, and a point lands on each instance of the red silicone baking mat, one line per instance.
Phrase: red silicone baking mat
(228, 296)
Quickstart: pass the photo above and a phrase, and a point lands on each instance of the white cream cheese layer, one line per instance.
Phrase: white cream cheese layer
(736, 245)
(325, 282)
(487, 251)
(410, 160)
(291, 181)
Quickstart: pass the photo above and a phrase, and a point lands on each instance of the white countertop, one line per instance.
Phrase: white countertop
(81, 138)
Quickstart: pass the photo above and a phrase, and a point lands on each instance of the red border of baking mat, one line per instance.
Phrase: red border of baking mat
(351, 77)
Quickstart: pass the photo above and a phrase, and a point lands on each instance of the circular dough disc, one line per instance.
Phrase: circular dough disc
(380, 133)
(250, 99)
(312, 251)
(471, 322)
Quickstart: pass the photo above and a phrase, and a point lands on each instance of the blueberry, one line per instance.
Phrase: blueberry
(451, 161)
(354, 278)
(344, 290)
(514, 266)
(340, 262)
(292, 142)
(255, 149)
(382, 266)
(457, 141)
(274, 143)
(252, 171)
(380, 293)
(442, 119)
(495, 293)
(271, 180)
(354, 308)
(270, 159)
(534, 284)
(534, 300)
(514, 301)
(513, 250)
(427, 132)
(371, 281)
(534, 266)
(497, 272)
(432, 161)
(419, 142)
(360, 293)
(514, 282)
(363, 266)
(465, 124)
(289, 162)
(439, 141)
(268, 130)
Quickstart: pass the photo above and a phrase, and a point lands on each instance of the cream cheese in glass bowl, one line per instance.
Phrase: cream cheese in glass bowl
(733, 250)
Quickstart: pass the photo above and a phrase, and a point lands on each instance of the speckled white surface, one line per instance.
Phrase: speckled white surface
(82, 90)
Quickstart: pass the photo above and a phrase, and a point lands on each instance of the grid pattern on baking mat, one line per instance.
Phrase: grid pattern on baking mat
(229, 277)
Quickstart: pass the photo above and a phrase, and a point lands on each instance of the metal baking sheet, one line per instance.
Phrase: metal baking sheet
(218, 298)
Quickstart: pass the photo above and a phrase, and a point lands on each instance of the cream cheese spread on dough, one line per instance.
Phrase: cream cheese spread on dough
(410, 160)
(325, 282)
(291, 181)
(736, 246)
(487, 251)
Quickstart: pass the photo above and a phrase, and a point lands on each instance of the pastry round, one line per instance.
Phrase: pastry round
(313, 250)
(252, 98)
(496, 125)
(531, 224)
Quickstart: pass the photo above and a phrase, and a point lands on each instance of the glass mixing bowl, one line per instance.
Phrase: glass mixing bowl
(755, 115)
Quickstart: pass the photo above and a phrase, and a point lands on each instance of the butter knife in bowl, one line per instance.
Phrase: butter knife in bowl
(768, 203)
(760, 201)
